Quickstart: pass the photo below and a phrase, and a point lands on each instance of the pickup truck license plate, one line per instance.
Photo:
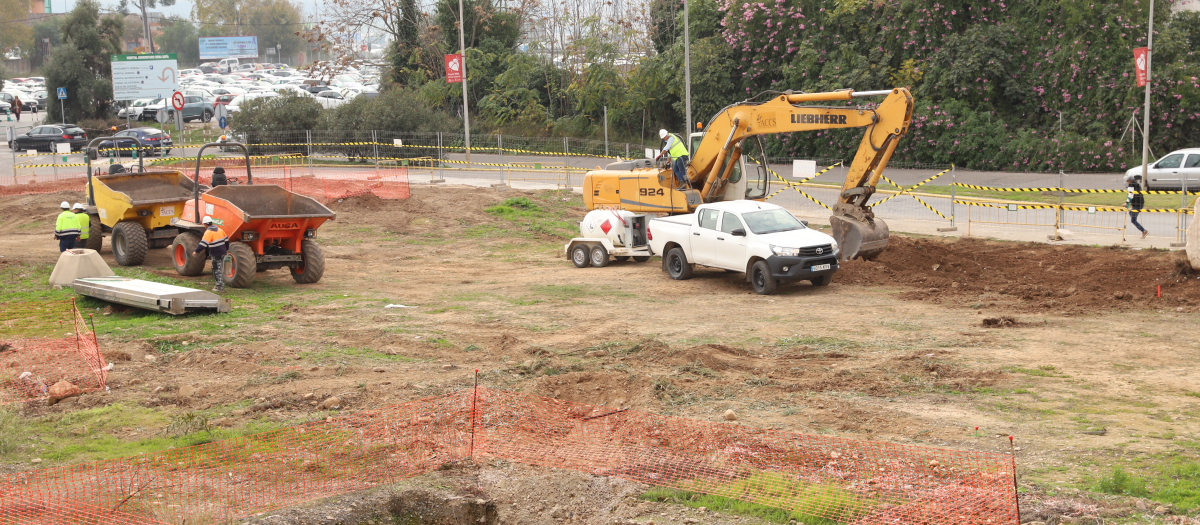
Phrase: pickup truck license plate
(819, 267)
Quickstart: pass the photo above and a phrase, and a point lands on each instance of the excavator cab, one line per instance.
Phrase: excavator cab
(753, 162)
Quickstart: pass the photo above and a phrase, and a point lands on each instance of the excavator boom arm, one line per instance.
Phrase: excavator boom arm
(854, 225)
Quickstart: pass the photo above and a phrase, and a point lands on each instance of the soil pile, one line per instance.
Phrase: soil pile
(1033, 275)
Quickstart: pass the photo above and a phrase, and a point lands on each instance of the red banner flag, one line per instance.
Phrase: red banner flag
(1140, 57)
(454, 69)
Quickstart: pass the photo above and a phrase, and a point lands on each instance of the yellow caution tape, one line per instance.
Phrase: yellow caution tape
(1013, 207)
(1063, 190)
(794, 186)
(903, 190)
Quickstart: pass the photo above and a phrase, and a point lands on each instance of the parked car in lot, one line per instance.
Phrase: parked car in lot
(154, 140)
(194, 108)
(236, 102)
(762, 240)
(28, 101)
(1172, 171)
(134, 110)
(44, 138)
(5, 106)
(330, 99)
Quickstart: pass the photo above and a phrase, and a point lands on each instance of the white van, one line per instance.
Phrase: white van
(228, 65)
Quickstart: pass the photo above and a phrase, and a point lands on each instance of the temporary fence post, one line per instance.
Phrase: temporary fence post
(627, 150)
(308, 135)
(1016, 491)
(474, 401)
(1181, 230)
(953, 182)
(566, 161)
(375, 145)
(1062, 194)
(441, 162)
(500, 152)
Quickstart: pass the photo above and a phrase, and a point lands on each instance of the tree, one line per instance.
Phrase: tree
(274, 22)
(180, 37)
(12, 18)
(123, 7)
(46, 36)
(81, 64)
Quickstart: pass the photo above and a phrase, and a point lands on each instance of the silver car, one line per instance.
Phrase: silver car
(1172, 171)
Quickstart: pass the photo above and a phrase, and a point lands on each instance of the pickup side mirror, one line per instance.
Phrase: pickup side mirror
(92, 154)
(738, 232)
(805, 223)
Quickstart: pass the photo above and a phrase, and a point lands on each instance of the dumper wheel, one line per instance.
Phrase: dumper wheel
(95, 239)
(129, 243)
(314, 263)
(241, 273)
(183, 254)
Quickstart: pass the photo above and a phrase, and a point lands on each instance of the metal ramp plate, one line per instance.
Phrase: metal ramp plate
(150, 295)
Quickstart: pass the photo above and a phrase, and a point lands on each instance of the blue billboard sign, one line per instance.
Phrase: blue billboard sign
(218, 47)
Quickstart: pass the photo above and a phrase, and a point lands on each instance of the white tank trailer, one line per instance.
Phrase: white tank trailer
(609, 233)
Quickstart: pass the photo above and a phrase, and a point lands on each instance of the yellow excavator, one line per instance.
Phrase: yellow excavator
(728, 162)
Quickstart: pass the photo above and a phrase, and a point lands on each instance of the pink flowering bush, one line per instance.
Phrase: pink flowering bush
(990, 78)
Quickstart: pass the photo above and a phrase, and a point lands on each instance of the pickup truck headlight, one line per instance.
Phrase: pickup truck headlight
(785, 252)
(835, 247)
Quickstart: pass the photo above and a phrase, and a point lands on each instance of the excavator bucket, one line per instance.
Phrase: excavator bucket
(864, 239)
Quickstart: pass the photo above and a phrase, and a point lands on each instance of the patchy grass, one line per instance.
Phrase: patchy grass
(353, 352)
(550, 214)
(732, 506)
(1177, 484)
(821, 344)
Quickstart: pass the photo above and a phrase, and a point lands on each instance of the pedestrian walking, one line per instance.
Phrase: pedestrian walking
(85, 224)
(16, 107)
(217, 244)
(1135, 202)
(66, 228)
(675, 148)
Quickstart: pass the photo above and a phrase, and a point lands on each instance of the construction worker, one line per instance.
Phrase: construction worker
(1135, 202)
(66, 228)
(85, 224)
(675, 147)
(217, 244)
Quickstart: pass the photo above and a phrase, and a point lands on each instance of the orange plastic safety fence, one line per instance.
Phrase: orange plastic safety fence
(42, 183)
(43, 343)
(840, 479)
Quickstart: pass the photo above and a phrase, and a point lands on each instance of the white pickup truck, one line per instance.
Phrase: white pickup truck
(763, 240)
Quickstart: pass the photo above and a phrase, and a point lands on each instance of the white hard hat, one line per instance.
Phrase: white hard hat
(79, 206)
(206, 220)
(65, 205)
(662, 133)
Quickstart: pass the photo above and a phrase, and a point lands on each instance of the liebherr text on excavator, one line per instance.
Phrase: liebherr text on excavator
(728, 162)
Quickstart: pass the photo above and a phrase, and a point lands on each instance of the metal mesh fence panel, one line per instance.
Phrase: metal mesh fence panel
(43, 344)
(833, 478)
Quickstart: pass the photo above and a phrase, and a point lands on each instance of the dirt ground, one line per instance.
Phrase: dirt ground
(949, 343)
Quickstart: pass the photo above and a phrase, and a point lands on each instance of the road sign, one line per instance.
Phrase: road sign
(162, 116)
(62, 93)
(222, 111)
(177, 101)
(221, 122)
(144, 76)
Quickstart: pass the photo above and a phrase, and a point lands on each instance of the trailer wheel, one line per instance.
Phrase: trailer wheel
(641, 258)
(129, 243)
(314, 263)
(761, 280)
(183, 254)
(240, 273)
(621, 258)
(599, 256)
(677, 265)
(579, 256)
(95, 239)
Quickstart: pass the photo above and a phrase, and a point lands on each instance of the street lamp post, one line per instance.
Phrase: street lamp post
(1146, 116)
(462, 49)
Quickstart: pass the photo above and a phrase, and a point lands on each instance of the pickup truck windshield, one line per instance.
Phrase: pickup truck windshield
(771, 221)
